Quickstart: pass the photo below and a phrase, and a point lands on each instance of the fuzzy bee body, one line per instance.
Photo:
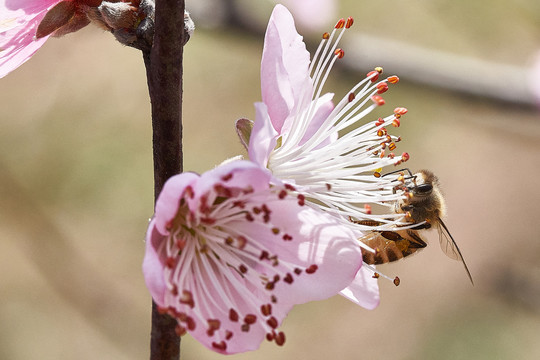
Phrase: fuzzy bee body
(423, 205)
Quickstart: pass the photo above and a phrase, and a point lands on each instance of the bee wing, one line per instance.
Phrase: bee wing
(449, 246)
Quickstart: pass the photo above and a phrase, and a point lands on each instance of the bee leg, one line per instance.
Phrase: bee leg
(425, 225)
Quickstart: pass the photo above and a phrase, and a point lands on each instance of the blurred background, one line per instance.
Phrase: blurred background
(76, 181)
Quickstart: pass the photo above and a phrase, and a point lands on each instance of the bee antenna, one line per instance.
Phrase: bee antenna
(401, 170)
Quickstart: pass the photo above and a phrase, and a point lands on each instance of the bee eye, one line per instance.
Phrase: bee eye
(424, 188)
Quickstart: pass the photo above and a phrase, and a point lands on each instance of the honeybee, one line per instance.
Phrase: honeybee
(424, 205)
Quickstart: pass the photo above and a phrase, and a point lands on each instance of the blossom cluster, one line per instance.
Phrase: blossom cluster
(229, 252)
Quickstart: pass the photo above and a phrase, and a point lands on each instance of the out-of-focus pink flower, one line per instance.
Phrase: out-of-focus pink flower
(312, 14)
(330, 153)
(19, 20)
(227, 255)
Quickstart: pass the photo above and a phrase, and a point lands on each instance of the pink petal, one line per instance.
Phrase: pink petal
(364, 290)
(153, 265)
(312, 14)
(263, 136)
(317, 239)
(284, 67)
(167, 202)
(324, 107)
(221, 260)
(18, 24)
(240, 173)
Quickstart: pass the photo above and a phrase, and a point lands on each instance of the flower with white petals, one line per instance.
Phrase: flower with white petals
(228, 255)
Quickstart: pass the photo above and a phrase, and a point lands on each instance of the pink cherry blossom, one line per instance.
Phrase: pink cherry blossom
(330, 153)
(19, 20)
(228, 255)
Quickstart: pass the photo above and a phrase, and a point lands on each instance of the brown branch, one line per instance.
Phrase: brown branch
(164, 73)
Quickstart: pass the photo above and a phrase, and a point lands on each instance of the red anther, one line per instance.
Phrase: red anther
(328, 186)
(189, 192)
(398, 139)
(266, 309)
(382, 132)
(405, 156)
(375, 275)
(383, 145)
(393, 79)
(301, 199)
(243, 269)
(208, 221)
(275, 230)
(187, 298)
(264, 255)
(392, 146)
(170, 262)
(397, 281)
(287, 237)
(272, 322)
(233, 315)
(214, 324)
(382, 154)
(339, 53)
(250, 319)
(249, 217)
(351, 97)
(396, 123)
(228, 335)
(242, 241)
(311, 269)
(326, 36)
(379, 122)
(349, 23)
(382, 88)
(190, 323)
(280, 338)
(290, 187)
(379, 69)
(374, 75)
(222, 345)
(288, 278)
(367, 208)
(282, 194)
(180, 330)
(270, 336)
(391, 155)
(378, 100)
(340, 24)
(297, 271)
(377, 174)
(227, 177)
(388, 139)
(400, 111)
